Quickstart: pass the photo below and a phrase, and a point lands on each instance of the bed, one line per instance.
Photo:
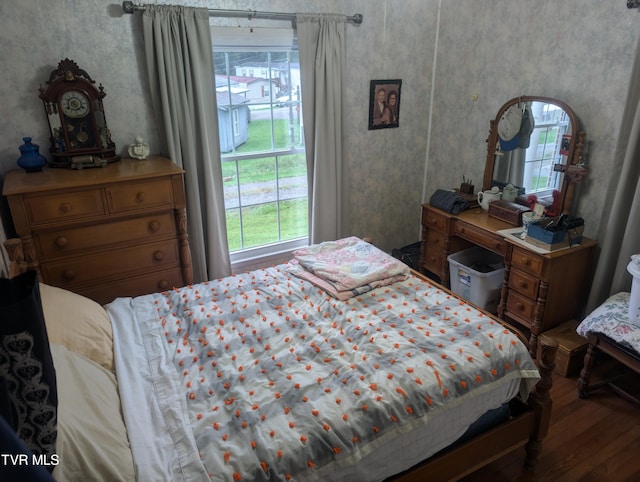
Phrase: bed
(266, 376)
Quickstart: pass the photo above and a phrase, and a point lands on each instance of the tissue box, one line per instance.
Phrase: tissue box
(552, 240)
(571, 348)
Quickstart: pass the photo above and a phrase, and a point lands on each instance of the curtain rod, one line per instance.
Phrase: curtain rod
(130, 7)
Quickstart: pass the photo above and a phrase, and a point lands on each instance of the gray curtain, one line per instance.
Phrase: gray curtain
(621, 218)
(322, 47)
(180, 66)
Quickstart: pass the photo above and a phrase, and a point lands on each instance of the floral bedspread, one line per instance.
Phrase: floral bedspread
(611, 318)
(263, 376)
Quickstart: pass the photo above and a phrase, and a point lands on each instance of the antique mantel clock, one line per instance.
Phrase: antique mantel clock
(79, 133)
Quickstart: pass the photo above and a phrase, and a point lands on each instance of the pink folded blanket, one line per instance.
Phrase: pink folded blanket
(347, 267)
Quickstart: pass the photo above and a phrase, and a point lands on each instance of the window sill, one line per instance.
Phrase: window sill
(265, 256)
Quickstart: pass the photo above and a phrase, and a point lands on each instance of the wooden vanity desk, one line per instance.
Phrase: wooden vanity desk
(104, 232)
(540, 290)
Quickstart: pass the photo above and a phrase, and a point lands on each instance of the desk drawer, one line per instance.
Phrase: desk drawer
(78, 270)
(435, 220)
(523, 283)
(520, 306)
(140, 195)
(434, 256)
(528, 261)
(481, 237)
(74, 240)
(64, 206)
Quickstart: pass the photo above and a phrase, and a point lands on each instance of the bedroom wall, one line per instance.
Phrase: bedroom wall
(391, 43)
(578, 51)
(581, 55)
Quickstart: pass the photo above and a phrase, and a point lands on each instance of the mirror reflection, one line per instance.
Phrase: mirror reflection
(532, 143)
(528, 163)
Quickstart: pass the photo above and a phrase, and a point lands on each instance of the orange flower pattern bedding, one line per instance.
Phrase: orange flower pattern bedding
(263, 376)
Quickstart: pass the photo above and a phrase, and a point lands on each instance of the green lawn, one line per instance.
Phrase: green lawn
(263, 219)
(253, 170)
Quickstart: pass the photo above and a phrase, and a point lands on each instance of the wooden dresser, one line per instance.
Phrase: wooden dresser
(540, 290)
(104, 232)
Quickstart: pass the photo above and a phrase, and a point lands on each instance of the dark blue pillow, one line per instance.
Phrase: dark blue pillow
(28, 392)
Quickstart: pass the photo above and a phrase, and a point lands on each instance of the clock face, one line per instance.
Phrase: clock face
(74, 104)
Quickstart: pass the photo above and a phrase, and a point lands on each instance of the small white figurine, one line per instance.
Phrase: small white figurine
(139, 150)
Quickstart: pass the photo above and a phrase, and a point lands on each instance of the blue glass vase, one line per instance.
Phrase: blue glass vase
(31, 160)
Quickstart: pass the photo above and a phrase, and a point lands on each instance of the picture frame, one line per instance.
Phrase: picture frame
(384, 114)
(565, 143)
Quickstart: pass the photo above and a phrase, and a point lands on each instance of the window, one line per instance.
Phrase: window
(263, 162)
(551, 124)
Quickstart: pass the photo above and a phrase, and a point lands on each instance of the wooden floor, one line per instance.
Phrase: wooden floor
(592, 439)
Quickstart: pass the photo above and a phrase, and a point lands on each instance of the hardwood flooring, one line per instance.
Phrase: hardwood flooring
(592, 439)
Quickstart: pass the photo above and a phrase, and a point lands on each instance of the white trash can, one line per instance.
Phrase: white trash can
(634, 300)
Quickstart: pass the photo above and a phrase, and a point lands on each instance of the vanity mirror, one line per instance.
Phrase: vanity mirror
(536, 144)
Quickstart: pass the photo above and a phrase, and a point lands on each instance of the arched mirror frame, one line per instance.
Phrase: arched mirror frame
(573, 167)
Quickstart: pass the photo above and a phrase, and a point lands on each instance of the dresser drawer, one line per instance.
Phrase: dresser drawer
(481, 237)
(64, 206)
(520, 306)
(523, 283)
(527, 261)
(140, 195)
(435, 220)
(81, 269)
(134, 286)
(74, 240)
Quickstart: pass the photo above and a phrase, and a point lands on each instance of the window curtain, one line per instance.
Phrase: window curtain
(179, 56)
(621, 218)
(322, 48)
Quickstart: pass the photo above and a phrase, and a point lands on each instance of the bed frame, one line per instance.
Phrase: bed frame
(527, 426)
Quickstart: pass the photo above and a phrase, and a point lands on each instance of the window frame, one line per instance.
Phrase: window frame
(226, 39)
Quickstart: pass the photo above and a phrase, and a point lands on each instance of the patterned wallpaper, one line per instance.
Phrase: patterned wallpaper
(500, 49)
(489, 50)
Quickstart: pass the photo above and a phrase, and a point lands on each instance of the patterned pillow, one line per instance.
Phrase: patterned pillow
(29, 397)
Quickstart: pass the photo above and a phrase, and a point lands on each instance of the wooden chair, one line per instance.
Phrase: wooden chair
(609, 313)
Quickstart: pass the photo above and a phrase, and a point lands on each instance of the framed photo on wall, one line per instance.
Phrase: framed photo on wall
(384, 104)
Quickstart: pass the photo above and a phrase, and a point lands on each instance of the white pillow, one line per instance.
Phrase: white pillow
(92, 439)
(78, 323)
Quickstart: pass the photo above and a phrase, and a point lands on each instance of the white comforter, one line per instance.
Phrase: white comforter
(262, 376)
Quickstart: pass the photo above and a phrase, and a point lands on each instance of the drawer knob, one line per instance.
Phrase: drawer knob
(141, 197)
(65, 207)
(68, 274)
(520, 306)
(526, 260)
(62, 241)
(524, 285)
(163, 284)
(158, 255)
(154, 226)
